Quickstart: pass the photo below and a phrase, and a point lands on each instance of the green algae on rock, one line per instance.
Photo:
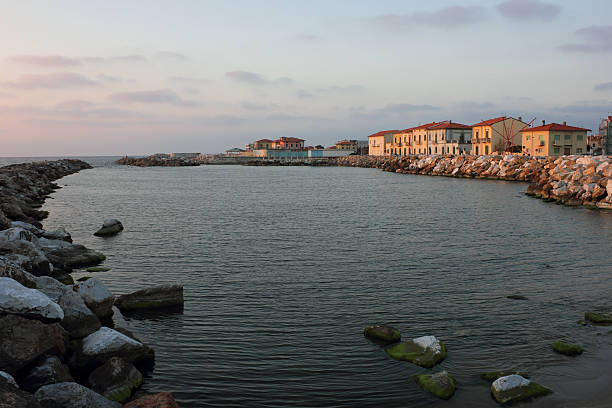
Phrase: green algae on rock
(426, 351)
(567, 348)
(494, 375)
(382, 332)
(441, 384)
(598, 318)
(513, 388)
(98, 269)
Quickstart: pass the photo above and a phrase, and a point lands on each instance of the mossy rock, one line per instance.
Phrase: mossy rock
(83, 278)
(591, 207)
(98, 269)
(514, 388)
(441, 384)
(598, 318)
(121, 394)
(567, 348)
(383, 333)
(416, 354)
(494, 375)
(581, 322)
(65, 279)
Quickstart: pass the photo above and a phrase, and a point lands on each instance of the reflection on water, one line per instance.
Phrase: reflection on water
(283, 267)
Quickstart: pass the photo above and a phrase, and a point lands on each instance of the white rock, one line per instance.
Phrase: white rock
(19, 234)
(106, 340)
(49, 245)
(509, 382)
(109, 222)
(96, 296)
(17, 299)
(9, 378)
(430, 342)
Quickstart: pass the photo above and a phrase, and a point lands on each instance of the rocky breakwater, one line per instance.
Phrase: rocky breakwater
(157, 161)
(569, 180)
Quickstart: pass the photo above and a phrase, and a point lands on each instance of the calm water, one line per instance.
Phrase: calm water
(283, 267)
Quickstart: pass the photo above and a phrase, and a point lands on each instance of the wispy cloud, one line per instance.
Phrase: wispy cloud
(596, 39)
(445, 18)
(45, 60)
(171, 55)
(254, 78)
(160, 96)
(75, 104)
(308, 38)
(56, 80)
(340, 89)
(302, 94)
(130, 59)
(529, 10)
(607, 86)
(109, 78)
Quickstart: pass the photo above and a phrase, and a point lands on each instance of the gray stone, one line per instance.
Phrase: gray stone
(25, 340)
(96, 296)
(12, 397)
(9, 378)
(110, 227)
(10, 270)
(115, 379)
(17, 299)
(60, 234)
(5, 223)
(513, 388)
(50, 371)
(162, 296)
(27, 256)
(72, 395)
(74, 256)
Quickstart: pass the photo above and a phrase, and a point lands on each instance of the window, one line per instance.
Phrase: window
(579, 150)
(541, 140)
(580, 137)
(557, 138)
(476, 134)
(486, 149)
(556, 150)
(487, 134)
(568, 137)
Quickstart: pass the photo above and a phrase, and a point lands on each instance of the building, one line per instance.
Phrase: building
(492, 136)
(554, 139)
(400, 143)
(379, 143)
(346, 145)
(262, 144)
(291, 143)
(362, 147)
(234, 151)
(605, 131)
(418, 143)
(449, 138)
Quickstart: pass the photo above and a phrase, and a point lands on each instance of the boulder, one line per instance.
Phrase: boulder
(161, 400)
(121, 325)
(59, 234)
(72, 395)
(74, 256)
(163, 296)
(105, 343)
(598, 317)
(27, 256)
(5, 223)
(17, 299)
(115, 379)
(110, 227)
(98, 269)
(426, 351)
(383, 333)
(567, 349)
(441, 384)
(10, 270)
(96, 296)
(78, 320)
(12, 397)
(8, 378)
(50, 371)
(25, 340)
(513, 388)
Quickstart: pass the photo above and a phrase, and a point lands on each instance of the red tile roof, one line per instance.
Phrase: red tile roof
(289, 139)
(383, 132)
(344, 142)
(426, 125)
(490, 121)
(554, 126)
(263, 141)
(449, 125)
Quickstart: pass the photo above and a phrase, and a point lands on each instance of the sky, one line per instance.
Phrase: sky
(147, 76)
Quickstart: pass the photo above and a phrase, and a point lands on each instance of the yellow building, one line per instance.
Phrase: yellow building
(346, 145)
(401, 143)
(418, 139)
(554, 139)
(380, 143)
(493, 135)
(262, 144)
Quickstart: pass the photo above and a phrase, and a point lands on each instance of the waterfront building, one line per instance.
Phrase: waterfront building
(605, 131)
(379, 143)
(449, 138)
(418, 139)
(554, 139)
(234, 151)
(262, 144)
(490, 136)
(346, 145)
(362, 147)
(401, 142)
(292, 143)
(596, 144)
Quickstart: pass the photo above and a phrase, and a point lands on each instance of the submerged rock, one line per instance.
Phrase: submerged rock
(567, 348)
(516, 297)
(426, 351)
(383, 332)
(515, 388)
(494, 375)
(110, 227)
(161, 400)
(96, 296)
(17, 299)
(163, 296)
(115, 379)
(441, 384)
(72, 395)
(98, 269)
(50, 371)
(598, 318)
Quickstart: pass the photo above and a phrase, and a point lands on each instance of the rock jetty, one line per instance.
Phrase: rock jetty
(569, 180)
(157, 161)
(58, 343)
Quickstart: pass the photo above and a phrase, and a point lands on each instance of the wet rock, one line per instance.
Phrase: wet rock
(598, 318)
(163, 296)
(59, 234)
(494, 375)
(25, 340)
(27, 256)
(74, 256)
(515, 388)
(115, 379)
(50, 371)
(383, 333)
(12, 397)
(121, 325)
(567, 349)
(72, 395)
(98, 269)
(161, 400)
(96, 296)
(426, 351)
(110, 227)
(17, 299)
(5, 223)
(10, 270)
(8, 378)
(441, 384)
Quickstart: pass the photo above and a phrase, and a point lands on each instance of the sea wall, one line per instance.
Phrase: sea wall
(570, 180)
(156, 161)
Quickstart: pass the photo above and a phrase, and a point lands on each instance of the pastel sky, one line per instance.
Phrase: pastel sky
(146, 76)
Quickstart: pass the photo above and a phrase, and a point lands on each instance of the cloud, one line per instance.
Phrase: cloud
(340, 89)
(160, 96)
(246, 77)
(108, 78)
(305, 37)
(302, 94)
(607, 86)
(529, 10)
(407, 107)
(131, 58)
(191, 91)
(76, 104)
(285, 81)
(171, 55)
(57, 80)
(448, 17)
(45, 60)
(189, 80)
(258, 107)
(597, 39)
